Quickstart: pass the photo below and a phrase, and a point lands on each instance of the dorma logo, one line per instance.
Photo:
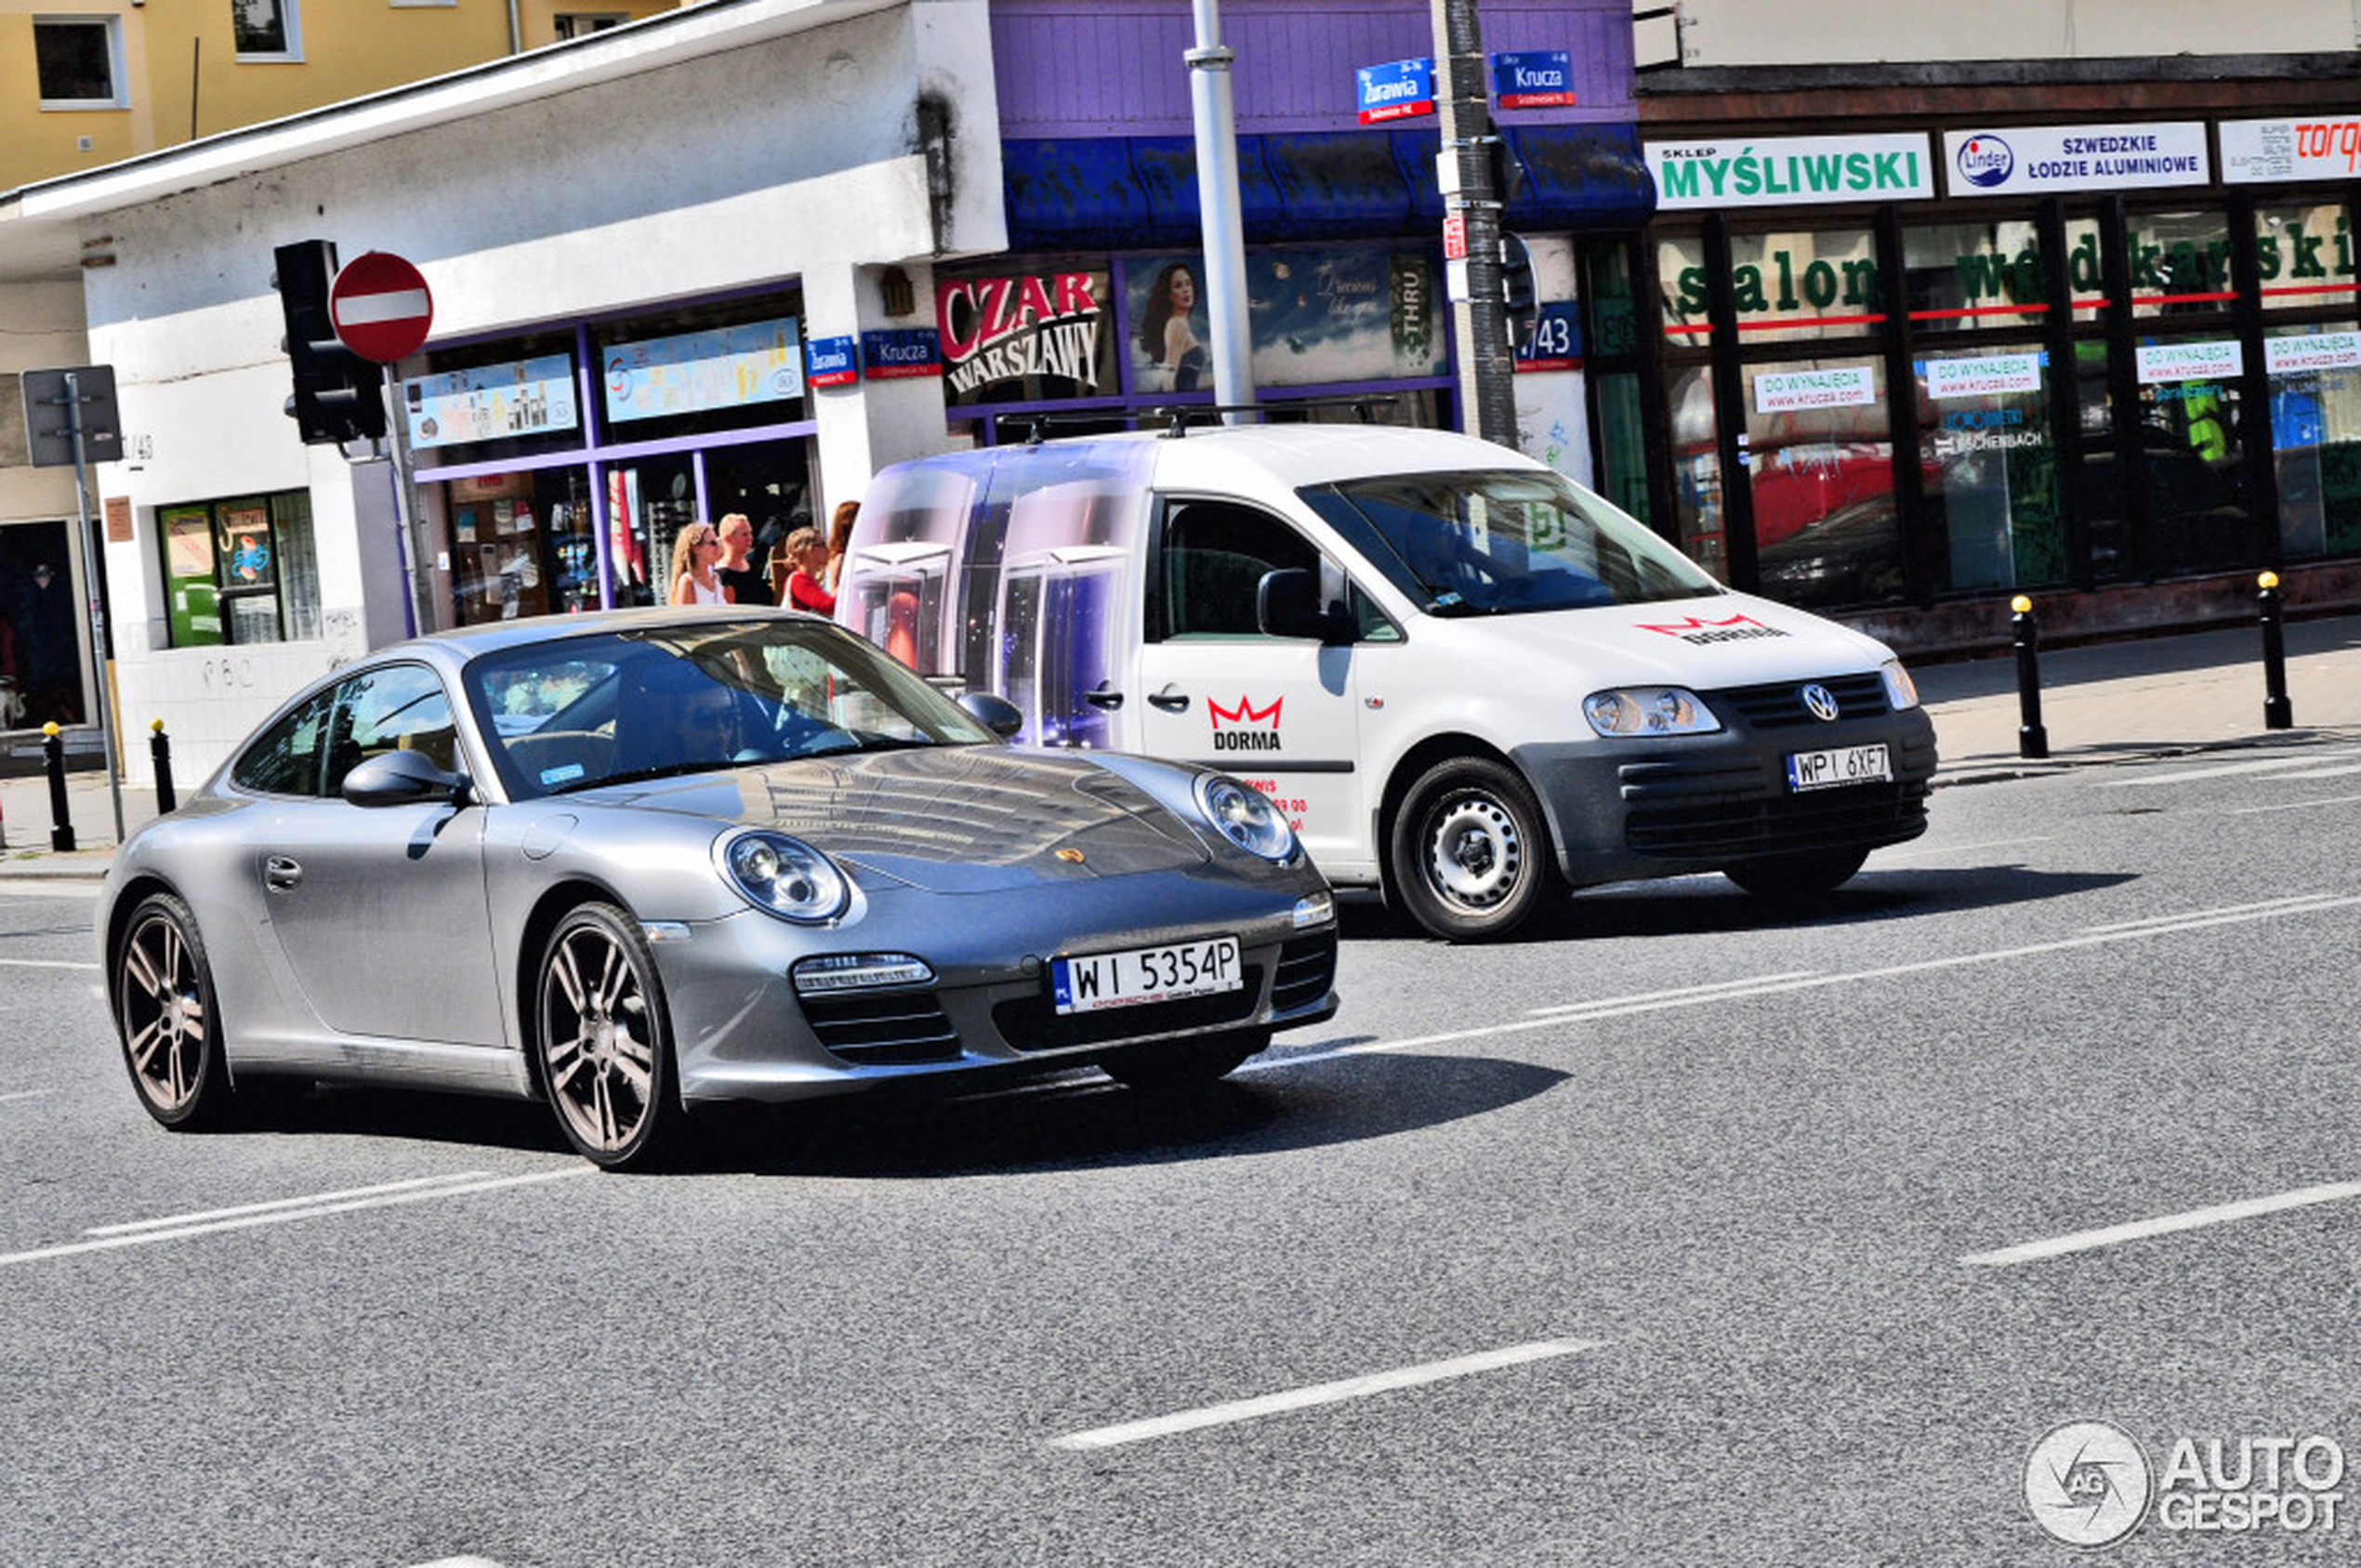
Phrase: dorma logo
(1985, 160)
(1252, 728)
(1736, 628)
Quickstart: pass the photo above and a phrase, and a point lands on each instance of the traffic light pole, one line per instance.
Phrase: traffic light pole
(1463, 111)
(91, 567)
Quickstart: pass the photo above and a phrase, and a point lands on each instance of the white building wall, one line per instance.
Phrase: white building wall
(792, 158)
(1747, 32)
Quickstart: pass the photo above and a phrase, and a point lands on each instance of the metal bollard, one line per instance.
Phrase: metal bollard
(159, 755)
(53, 751)
(2278, 712)
(2032, 739)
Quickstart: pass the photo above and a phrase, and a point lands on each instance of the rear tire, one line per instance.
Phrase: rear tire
(1180, 1065)
(1470, 857)
(1787, 876)
(167, 1017)
(602, 1042)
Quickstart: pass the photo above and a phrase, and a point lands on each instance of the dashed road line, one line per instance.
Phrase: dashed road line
(1238, 1410)
(2227, 769)
(2141, 1230)
(46, 964)
(2292, 805)
(23, 1094)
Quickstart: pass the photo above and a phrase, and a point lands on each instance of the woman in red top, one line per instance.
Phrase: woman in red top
(809, 554)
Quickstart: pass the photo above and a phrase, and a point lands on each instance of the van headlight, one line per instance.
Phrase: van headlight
(1901, 691)
(1245, 817)
(786, 876)
(1648, 710)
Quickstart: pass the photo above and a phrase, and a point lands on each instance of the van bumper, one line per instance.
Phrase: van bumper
(1620, 810)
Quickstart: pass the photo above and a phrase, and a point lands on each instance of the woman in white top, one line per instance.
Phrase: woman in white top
(694, 555)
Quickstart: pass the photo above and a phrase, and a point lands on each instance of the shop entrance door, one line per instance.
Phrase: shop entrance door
(649, 502)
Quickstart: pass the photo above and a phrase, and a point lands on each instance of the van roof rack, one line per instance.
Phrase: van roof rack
(1178, 417)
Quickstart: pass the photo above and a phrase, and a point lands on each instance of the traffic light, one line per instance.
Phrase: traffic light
(1516, 288)
(339, 395)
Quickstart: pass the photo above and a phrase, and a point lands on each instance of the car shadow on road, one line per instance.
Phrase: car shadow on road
(1713, 906)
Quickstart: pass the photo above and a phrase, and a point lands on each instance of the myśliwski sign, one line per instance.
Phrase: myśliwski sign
(1776, 171)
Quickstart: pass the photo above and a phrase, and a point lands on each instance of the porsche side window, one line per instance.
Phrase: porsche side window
(399, 707)
(285, 760)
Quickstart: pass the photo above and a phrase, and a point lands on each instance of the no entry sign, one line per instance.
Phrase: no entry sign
(381, 308)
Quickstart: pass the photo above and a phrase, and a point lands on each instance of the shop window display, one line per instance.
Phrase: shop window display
(521, 545)
(41, 660)
(241, 571)
(1989, 468)
(1820, 465)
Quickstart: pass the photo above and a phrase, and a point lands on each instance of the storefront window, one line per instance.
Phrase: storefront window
(709, 368)
(1820, 463)
(515, 398)
(1623, 457)
(1989, 469)
(241, 571)
(649, 502)
(2304, 254)
(41, 660)
(1965, 277)
(2192, 440)
(2180, 263)
(1697, 471)
(2316, 435)
(522, 544)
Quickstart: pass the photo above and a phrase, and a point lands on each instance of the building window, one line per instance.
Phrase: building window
(241, 571)
(581, 25)
(79, 62)
(267, 29)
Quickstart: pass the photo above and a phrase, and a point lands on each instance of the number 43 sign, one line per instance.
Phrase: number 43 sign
(1556, 343)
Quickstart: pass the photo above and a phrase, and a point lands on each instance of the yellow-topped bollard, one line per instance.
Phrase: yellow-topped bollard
(159, 757)
(2033, 740)
(2022, 604)
(2278, 712)
(53, 754)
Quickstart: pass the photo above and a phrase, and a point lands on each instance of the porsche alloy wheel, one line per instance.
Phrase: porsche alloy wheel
(164, 1013)
(605, 1062)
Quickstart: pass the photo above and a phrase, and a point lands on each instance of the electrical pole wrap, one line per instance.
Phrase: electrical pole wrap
(1463, 109)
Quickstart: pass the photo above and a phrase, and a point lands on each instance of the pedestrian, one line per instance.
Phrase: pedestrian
(839, 540)
(694, 555)
(747, 583)
(805, 589)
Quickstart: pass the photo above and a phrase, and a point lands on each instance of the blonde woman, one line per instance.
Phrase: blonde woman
(694, 554)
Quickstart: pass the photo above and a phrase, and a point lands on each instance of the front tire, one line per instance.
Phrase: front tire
(602, 1042)
(167, 1017)
(1181, 1065)
(1787, 876)
(1470, 857)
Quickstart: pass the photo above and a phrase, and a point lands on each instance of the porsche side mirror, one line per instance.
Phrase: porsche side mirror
(999, 715)
(403, 778)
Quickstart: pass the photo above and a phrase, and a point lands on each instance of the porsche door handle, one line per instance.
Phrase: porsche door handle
(1103, 697)
(281, 874)
(1169, 700)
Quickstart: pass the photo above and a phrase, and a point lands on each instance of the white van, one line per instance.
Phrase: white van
(1467, 680)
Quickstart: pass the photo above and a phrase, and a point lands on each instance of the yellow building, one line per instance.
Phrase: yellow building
(89, 82)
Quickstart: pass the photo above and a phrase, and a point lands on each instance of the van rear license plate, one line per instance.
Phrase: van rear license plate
(1845, 765)
(1141, 975)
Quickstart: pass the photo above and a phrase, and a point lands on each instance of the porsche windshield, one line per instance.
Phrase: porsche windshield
(1504, 542)
(573, 713)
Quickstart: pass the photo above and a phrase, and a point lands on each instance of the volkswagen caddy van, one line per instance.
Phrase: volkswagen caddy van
(1468, 681)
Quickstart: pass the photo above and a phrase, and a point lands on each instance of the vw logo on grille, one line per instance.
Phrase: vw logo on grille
(1821, 701)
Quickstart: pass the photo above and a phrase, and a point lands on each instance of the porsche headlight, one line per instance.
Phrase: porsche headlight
(1649, 710)
(786, 876)
(1245, 817)
(1901, 691)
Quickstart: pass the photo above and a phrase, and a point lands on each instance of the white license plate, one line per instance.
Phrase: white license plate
(1141, 975)
(1843, 765)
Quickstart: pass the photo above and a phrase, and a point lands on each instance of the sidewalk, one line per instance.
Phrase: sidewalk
(2101, 704)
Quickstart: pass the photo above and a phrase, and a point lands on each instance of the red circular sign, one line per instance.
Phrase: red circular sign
(381, 306)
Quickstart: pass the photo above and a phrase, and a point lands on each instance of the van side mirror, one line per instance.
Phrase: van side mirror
(1286, 603)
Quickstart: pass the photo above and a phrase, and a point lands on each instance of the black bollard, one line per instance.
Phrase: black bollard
(2278, 712)
(53, 751)
(159, 755)
(2032, 739)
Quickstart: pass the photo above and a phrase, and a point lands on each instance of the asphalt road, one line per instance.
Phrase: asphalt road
(1690, 1230)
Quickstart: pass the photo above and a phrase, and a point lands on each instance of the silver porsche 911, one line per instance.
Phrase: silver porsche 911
(633, 863)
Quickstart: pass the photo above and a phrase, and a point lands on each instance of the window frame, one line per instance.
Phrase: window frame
(290, 24)
(111, 27)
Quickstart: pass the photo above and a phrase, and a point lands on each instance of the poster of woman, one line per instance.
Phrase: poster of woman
(1168, 353)
(1316, 317)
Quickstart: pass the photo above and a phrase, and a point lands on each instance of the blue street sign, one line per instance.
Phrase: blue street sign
(1395, 90)
(1534, 79)
(831, 362)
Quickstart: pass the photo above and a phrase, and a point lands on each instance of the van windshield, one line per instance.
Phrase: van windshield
(1504, 542)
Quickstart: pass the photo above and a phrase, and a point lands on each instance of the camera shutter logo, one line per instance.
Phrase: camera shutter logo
(2088, 1483)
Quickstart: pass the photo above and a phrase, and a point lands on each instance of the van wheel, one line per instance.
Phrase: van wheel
(1468, 858)
(1787, 876)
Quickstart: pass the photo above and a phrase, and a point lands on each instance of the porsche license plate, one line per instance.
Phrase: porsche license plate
(1845, 765)
(1141, 975)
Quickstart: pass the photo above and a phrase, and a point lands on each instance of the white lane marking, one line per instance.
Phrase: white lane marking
(46, 964)
(1322, 1394)
(24, 1094)
(105, 1243)
(1609, 1004)
(2293, 805)
(1886, 857)
(42, 888)
(275, 1204)
(2344, 773)
(460, 1562)
(2085, 1241)
(2305, 904)
(2226, 769)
